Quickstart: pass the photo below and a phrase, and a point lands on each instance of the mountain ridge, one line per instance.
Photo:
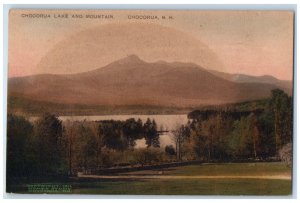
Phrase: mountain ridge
(132, 81)
(243, 78)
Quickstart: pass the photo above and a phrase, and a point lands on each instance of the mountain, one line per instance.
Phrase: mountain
(98, 46)
(132, 81)
(242, 78)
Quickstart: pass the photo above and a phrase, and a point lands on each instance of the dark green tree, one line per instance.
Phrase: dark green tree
(19, 153)
(169, 149)
(50, 145)
(151, 134)
(281, 106)
(199, 142)
(265, 125)
(113, 135)
(87, 147)
(133, 130)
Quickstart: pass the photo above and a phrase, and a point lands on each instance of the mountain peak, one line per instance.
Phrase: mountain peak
(131, 59)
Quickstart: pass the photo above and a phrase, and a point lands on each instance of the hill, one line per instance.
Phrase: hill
(133, 82)
(242, 78)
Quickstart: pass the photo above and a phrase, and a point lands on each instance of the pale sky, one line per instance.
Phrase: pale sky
(248, 42)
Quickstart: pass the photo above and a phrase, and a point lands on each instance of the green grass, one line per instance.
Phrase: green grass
(202, 186)
(274, 168)
(189, 187)
(179, 187)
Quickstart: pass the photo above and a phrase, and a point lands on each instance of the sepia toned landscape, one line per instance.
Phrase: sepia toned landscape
(150, 102)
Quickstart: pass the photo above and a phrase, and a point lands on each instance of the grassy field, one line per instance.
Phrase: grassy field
(274, 168)
(188, 187)
(213, 186)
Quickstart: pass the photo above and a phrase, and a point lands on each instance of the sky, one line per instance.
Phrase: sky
(247, 42)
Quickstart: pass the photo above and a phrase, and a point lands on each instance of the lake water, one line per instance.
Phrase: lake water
(164, 122)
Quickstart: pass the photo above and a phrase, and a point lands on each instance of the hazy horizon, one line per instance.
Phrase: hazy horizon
(142, 60)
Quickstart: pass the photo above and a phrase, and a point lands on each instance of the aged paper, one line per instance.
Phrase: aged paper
(150, 102)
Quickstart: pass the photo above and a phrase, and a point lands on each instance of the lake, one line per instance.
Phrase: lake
(164, 122)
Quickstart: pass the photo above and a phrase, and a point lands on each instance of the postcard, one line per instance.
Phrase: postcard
(150, 102)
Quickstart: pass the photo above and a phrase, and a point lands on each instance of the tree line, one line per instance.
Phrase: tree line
(232, 134)
(49, 147)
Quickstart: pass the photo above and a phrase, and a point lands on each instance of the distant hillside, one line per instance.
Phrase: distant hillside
(242, 78)
(133, 82)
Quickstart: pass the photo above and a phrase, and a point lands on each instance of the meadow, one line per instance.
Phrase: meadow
(272, 178)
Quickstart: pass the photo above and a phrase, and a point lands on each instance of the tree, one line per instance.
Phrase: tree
(198, 141)
(265, 123)
(211, 132)
(241, 139)
(234, 140)
(151, 134)
(133, 130)
(49, 145)
(169, 149)
(98, 131)
(180, 134)
(113, 135)
(255, 134)
(70, 137)
(86, 147)
(281, 106)
(19, 153)
(83, 144)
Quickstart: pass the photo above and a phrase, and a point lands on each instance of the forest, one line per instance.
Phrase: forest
(251, 131)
